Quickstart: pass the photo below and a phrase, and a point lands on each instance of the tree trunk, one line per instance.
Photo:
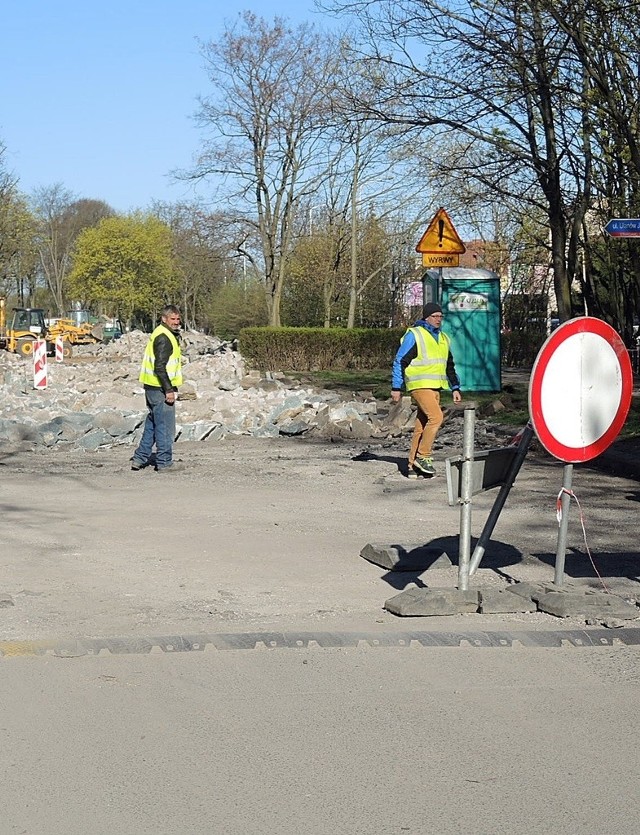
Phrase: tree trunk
(353, 289)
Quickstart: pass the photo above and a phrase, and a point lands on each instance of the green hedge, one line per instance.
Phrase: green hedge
(319, 349)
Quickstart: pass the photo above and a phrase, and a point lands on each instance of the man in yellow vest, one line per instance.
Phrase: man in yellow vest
(424, 364)
(161, 374)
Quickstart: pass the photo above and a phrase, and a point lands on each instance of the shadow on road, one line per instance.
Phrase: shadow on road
(400, 462)
(578, 564)
(413, 562)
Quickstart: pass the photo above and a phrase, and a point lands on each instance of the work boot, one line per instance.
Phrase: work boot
(176, 467)
(425, 465)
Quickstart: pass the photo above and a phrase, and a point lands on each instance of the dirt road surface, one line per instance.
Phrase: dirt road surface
(266, 534)
(255, 545)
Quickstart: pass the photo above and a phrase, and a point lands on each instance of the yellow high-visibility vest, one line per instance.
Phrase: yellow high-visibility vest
(174, 363)
(429, 369)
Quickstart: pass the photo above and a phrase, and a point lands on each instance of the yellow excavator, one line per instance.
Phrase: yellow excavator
(28, 324)
(74, 333)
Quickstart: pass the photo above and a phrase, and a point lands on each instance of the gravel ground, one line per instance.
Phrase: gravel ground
(267, 534)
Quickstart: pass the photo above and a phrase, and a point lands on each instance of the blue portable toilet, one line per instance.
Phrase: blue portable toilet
(470, 299)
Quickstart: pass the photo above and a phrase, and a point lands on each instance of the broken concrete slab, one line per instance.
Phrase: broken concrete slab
(535, 590)
(293, 427)
(218, 388)
(433, 602)
(401, 414)
(95, 439)
(401, 558)
(499, 601)
(586, 604)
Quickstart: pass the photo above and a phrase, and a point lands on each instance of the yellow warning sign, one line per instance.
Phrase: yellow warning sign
(431, 259)
(440, 237)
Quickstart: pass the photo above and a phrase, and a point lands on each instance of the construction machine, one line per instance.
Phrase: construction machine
(25, 327)
(73, 333)
(84, 328)
(28, 324)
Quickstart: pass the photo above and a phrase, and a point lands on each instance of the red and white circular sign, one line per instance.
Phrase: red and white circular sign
(580, 389)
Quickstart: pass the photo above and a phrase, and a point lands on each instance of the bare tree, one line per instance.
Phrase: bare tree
(264, 123)
(202, 253)
(370, 174)
(61, 217)
(605, 40)
(502, 81)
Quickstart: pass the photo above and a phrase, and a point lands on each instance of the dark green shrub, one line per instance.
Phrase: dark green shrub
(318, 349)
(520, 348)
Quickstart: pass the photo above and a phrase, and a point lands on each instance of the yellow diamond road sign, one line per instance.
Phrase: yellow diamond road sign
(440, 238)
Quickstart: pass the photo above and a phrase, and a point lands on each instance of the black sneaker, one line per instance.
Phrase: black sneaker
(425, 465)
(137, 465)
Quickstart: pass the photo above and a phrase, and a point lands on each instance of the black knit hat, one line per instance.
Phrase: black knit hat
(429, 309)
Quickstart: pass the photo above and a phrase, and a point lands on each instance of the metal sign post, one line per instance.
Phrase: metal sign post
(514, 468)
(490, 468)
(565, 503)
(466, 490)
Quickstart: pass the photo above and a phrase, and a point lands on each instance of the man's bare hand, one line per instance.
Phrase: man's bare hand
(457, 396)
(395, 396)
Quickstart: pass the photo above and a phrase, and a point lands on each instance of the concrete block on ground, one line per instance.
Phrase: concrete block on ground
(360, 429)
(433, 602)
(586, 605)
(496, 601)
(612, 623)
(400, 558)
(95, 439)
(293, 427)
(534, 591)
(442, 561)
(401, 413)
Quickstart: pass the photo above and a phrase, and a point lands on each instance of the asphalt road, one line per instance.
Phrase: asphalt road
(320, 741)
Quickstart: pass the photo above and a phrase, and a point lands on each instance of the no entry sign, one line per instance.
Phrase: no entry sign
(580, 389)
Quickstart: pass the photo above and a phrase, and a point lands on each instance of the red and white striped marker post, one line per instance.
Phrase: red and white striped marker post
(40, 364)
(59, 349)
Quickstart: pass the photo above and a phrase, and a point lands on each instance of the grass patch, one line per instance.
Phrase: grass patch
(377, 381)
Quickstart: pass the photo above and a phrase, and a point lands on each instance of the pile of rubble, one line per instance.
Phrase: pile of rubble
(94, 400)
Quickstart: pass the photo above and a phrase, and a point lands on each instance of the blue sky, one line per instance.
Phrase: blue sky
(100, 96)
